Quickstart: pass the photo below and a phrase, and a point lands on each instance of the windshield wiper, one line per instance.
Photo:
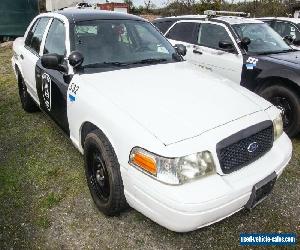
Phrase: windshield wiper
(150, 61)
(121, 64)
(276, 52)
(105, 64)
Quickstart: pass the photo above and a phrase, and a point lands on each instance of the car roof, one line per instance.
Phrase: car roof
(180, 17)
(291, 19)
(226, 19)
(87, 14)
(236, 20)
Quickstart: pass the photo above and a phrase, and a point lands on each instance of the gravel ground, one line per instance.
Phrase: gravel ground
(45, 203)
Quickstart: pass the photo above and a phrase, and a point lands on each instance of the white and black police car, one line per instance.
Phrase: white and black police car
(182, 146)
(246, 51)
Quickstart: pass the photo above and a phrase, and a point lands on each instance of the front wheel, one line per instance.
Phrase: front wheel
(289, 103)
(103, 174)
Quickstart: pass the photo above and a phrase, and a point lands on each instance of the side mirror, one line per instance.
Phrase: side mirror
(53, 61)
(181, 49)
(75, 59)
(226, 46)
(288, 39)
(245, 41)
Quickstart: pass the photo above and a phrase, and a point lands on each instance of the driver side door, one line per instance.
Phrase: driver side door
(51, 84)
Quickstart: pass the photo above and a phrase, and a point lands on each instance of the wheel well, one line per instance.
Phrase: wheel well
(277, 81)
(18, 73)
(87, 127)
(17, 69)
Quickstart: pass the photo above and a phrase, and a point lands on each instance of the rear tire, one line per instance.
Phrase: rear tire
(103, 174)
(27, 102)
(289, 102)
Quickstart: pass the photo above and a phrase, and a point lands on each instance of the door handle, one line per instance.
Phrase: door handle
(38, 72)
(22, 57)
(197, 52)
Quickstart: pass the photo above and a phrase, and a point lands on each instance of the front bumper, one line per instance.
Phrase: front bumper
(203, 202)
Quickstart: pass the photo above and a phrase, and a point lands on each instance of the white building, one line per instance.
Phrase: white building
(52, 5)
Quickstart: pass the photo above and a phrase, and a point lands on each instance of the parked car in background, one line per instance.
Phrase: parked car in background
(287, 28)
(15, 17)
(182, 146)
(164, 23)
(248, 52)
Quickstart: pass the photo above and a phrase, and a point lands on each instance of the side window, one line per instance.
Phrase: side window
(35, 35)
(211, 34)
(287, 29)
(163, 26)
(280, 28)
(269, 22)
(55, 41)
(184, 32)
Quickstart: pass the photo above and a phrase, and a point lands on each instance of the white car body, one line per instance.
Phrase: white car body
(220, 62)
(246, 51)
(172, 110)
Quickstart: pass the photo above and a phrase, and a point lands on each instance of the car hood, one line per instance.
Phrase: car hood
(175, 101)
(289, 57)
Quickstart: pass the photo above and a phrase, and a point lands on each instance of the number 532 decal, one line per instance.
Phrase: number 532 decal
(73, 89)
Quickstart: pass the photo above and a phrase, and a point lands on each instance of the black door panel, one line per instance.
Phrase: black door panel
(52, 93)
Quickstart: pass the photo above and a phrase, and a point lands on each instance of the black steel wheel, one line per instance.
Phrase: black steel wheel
(98, 175)
(103, 174)
(288, 101)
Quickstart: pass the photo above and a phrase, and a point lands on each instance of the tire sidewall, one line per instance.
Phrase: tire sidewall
(92, 140)
(23, 96)
(27, 102)
(293, 100)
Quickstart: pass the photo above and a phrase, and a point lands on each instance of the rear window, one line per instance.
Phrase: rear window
(163, 26)
(184, 32)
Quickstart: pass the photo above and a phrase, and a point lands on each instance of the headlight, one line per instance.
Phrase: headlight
(278, 127)
(173, 170)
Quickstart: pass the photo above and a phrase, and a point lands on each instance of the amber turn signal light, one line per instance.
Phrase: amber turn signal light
(144, 162)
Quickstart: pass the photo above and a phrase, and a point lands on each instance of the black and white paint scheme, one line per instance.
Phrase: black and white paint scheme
(247, 52)
(46, 90)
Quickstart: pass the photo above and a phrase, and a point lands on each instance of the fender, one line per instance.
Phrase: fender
(17, 68)
(266, 69)
(17, 46)
(287, 74)
(90, 105)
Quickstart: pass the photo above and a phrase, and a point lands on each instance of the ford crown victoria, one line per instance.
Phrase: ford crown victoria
(182, 146)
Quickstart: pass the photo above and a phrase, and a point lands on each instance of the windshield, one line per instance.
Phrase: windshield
(263, 38)
(121, 42)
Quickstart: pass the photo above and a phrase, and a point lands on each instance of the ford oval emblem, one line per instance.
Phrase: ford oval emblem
(252, 147)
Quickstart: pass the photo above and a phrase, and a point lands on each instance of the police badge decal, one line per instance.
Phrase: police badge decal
(46, 90)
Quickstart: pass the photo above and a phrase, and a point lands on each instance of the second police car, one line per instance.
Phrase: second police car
(182, 146)
(246, 51)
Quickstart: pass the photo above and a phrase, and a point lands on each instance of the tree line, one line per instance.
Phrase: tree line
(257, 8)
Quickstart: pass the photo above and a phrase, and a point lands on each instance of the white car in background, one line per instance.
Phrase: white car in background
(246, 51)
(180, 145)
